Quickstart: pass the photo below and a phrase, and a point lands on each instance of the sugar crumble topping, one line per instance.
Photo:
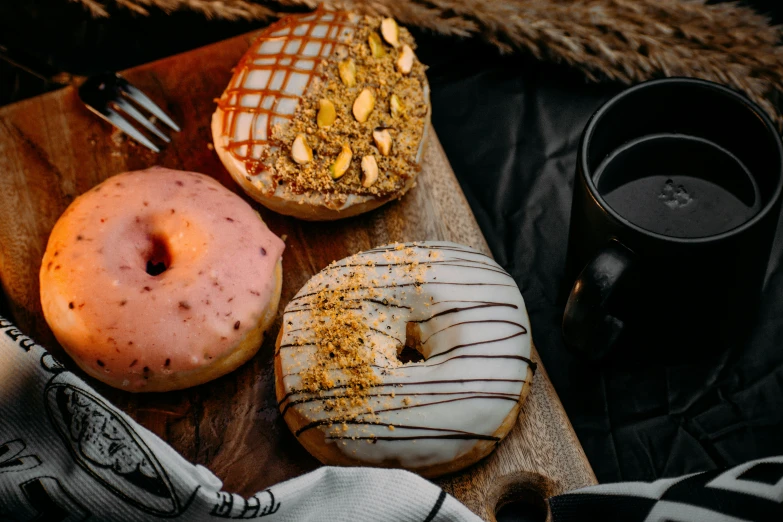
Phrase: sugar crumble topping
(337, 357)
(383, 79)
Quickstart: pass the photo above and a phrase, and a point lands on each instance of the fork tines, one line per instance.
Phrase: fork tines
(114, 99)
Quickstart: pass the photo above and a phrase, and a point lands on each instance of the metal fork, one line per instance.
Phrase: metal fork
(110, 95)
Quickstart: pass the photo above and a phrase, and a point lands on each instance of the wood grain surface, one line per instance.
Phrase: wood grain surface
(52, 149)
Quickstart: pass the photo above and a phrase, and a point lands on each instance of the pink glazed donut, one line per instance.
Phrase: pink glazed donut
(159, 280)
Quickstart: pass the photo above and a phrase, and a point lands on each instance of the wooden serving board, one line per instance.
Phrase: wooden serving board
(52, 149)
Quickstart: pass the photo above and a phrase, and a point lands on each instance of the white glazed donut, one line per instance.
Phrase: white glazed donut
(276, 94)
(348, 397)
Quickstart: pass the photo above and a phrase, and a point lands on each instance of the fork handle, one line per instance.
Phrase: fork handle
(37, 67)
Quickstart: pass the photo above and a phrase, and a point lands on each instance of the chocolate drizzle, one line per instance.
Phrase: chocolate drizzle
(473, 340)
(365, 300)
(313, 398)
(487, 266)
(457, 310)
(450, 248)
(450, 432)
(477, 343)
(402, 384)
(482, 321)
(424, 366)
(422, 437)
(422, 405)
(403, 285)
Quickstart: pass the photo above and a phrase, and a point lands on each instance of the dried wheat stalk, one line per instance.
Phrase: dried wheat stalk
(621, 40)
(225, 9)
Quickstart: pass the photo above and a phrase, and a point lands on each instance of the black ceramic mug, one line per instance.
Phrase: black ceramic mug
(676, 201)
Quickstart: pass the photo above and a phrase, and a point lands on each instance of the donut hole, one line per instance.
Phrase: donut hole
(158, 257)
(411, 351)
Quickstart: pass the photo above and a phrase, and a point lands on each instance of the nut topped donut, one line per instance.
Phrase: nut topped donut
(158, 279)
(325, 116)
(414, 355)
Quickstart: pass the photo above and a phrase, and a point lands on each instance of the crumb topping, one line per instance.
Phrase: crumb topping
(327, 135)
(343, 321)
(342, 341)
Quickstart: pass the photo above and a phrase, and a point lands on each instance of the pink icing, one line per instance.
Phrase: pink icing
(120, 319)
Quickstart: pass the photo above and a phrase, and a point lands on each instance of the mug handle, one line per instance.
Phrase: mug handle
(588, 328)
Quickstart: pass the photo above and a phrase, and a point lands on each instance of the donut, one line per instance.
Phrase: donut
(158, 280)
(413, 355)
(325, 116)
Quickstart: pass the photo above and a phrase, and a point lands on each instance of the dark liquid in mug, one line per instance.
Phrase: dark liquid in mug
(678, 186)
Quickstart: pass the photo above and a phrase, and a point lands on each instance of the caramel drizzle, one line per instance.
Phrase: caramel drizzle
(236, 90)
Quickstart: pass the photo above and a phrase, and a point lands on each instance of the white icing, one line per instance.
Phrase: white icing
(236, 81)
(259, 132)
(286, 106)
(242, 128)
(296, 84)
(264, 61)
(292, 47)
(277, 80)
(482, 313)
(319, 31)
(279, 120)
(312, 49)
(257, 79)
(250, 100)
(305, 65)
(271, 46)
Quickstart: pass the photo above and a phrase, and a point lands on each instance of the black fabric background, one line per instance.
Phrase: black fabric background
(510, 127)
(638, 419)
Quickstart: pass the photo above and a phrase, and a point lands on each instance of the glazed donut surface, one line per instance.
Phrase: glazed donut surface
(345, 389)
(275, 96)
(160, 279)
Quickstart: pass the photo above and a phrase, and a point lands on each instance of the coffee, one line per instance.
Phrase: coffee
(678, 185)
(678, 189)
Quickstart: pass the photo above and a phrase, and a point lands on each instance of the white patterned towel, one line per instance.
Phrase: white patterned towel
(66, 454)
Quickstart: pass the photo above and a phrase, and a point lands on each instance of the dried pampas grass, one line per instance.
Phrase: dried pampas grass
(622, 40)
(225, 9)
